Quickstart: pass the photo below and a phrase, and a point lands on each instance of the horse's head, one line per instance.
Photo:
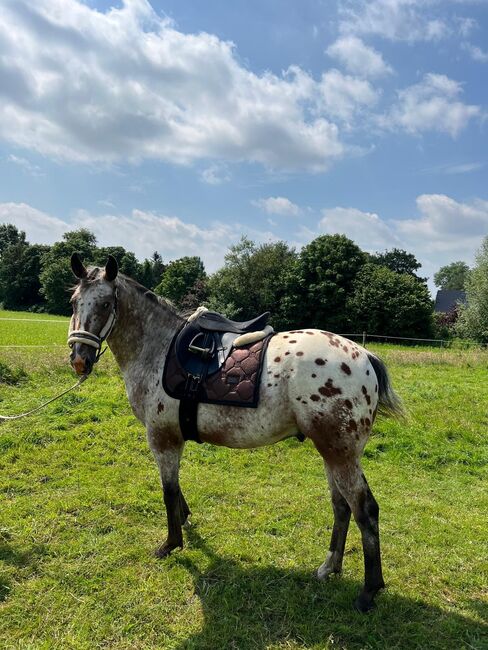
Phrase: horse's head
(94, 311)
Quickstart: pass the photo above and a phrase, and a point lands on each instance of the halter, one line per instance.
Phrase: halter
(82, 336)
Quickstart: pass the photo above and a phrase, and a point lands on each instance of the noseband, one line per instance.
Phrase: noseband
(82, 336)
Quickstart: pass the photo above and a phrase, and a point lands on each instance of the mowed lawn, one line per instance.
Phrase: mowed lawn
(81, 512)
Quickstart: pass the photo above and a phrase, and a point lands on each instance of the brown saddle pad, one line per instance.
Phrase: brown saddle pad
(235, 383)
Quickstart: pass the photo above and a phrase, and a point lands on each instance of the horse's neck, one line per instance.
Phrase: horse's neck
(143, 330)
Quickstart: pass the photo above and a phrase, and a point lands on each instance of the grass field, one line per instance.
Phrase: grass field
(81, 512)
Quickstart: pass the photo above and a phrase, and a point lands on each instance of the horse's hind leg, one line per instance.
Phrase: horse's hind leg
(354, 488)
(342, 516)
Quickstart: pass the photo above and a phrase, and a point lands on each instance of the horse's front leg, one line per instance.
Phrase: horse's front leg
(168, 456)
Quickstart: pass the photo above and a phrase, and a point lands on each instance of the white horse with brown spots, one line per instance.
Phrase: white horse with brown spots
(313, 382)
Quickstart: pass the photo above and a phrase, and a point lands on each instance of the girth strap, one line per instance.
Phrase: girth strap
(188, 412)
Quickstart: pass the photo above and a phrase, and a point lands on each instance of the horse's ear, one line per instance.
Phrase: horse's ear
(77, 266)
(111, 268)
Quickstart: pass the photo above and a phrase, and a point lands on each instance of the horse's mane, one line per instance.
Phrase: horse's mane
(147, 293)
(94, 275)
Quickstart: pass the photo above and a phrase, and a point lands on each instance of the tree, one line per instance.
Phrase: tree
(56, 277)
(10, 235)
(386, 302)
(473, 317)
(399, 261)
(179, 277)
(327, 269)
(157, 269)
(452, 276)
(20, 266)
(254, 279)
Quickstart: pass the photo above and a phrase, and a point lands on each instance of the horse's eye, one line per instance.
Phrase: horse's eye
(106, 305)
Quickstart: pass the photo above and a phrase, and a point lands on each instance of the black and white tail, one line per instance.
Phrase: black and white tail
(389, 404)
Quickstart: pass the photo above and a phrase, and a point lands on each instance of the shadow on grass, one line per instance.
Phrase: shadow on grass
(16, 558)
(256, 608)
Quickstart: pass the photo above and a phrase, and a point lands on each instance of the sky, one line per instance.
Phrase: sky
(180, 125)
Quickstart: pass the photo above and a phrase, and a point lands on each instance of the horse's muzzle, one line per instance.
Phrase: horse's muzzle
(82, 358)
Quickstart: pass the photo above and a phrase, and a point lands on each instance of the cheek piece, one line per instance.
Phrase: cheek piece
(94, 340)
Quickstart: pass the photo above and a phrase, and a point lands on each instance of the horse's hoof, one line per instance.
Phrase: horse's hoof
(165, 550)
(363, 606)
(324, 572)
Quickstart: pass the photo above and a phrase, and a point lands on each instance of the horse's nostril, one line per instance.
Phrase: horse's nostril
(79, 365)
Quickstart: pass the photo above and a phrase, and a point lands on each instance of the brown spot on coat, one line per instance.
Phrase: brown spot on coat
(299, 354)
(292, 341)
(320, 362)
(348, 404)
(314, 398)
(160, 407)
(277, 359)
(345, 368)
(329, 390)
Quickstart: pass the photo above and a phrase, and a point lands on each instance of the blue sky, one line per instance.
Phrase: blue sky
(179, 126)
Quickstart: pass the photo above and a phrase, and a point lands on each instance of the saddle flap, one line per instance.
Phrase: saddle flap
(202, 351)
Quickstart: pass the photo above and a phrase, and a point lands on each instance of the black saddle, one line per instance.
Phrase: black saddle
(200, 349)
(204, 344)
(211, 320)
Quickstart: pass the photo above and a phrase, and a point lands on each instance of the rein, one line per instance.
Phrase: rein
(38, 408)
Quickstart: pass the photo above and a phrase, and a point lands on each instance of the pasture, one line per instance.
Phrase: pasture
(81, 512)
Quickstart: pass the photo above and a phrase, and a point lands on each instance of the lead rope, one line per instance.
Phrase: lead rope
(78, 336)
(38, 408)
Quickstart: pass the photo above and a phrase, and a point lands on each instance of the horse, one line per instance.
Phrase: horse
(313, 382)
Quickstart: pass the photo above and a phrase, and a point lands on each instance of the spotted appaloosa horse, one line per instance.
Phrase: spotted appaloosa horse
(313, 382)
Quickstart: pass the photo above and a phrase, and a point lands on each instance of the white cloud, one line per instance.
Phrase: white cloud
(83, 85)
(431, 105)
(40, 228)
(366, 228)
(278, 205)
(462, 168)
(397, 20)
(26, 165)
(343, 96)
(444, 231)
(476, 53)
(466, 25)
(445, 225)
(358, 58)
(141, 232)
(215, 175)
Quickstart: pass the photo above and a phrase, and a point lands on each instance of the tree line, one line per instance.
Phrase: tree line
(330, 283)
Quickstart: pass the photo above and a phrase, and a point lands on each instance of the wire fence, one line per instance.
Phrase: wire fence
(364, 337)
(407, 340)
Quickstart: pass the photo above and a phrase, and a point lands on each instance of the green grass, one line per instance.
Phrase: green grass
(24, 328)
(81, 512)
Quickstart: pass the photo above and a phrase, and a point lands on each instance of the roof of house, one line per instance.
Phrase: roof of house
(446, 299)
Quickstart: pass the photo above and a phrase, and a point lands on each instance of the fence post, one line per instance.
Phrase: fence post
(364, 339)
